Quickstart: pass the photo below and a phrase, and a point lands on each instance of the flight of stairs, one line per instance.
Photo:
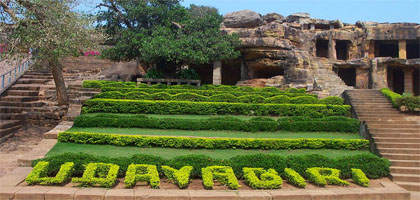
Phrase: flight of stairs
(330, 83)
(395, 137)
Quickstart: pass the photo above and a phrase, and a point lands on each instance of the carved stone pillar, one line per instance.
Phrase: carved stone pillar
(402, 49)
(332, 54)
(217, 72)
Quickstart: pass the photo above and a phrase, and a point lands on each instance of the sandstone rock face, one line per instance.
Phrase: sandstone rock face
(296, 17)
(271, 17)
(242, 19)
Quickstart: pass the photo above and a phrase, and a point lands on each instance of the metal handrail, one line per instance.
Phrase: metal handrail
(13, 75)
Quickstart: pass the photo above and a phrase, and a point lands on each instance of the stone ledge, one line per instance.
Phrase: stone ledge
(390, 191)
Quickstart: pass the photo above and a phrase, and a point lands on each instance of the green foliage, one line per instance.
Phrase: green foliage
(373, 166)
(408, 103)
(280, 99)
(323, 176)
(141, 121)
(135, 95)
(39, 174)
(304, 100)
(223, 174)
(258, 178)
(113, 95)
(210, 143)
(160, 96)
(211, 108)
(142, 172)
(295, 90)
(359, 177)
(332, 100)
(189, 97)
(188, 74)
(392, 96)
(333, 124)
(102, 174)
(154, 73)
(226, 97)
(101, 83)
(294, 178)
(180, 177)
(251, 99)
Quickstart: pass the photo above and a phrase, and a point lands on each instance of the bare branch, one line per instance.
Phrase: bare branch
(119, 13)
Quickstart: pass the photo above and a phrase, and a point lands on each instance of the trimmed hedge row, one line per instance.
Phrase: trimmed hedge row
(392, 96)
(256, 124)
(226, 97)
(211, 108)
(373, 166)
(323, 176)
(210, 143)
(102, 83)
(206, 93)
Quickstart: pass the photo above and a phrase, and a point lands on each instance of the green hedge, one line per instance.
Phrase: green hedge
(102, 83)
(206, 93)
(373, 166)
(211, 108)
(392, 96)
(210, 143)
(256, 124)
(329, 124)
(409, 103)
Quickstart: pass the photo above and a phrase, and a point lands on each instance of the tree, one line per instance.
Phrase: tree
(50, 28)
(162, 31)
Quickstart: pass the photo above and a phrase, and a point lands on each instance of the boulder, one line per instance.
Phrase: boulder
(271, 17)
(242, 19)
(296, 17)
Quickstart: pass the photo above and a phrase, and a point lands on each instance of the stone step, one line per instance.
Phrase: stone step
(376, 119)
(27, 76)
(392, 122)
(396, 135)
(370, 100)
(30, 81)
(405, 170)
(22, 104)
(25, 87)
(13, 116)
(394, 130)
(410, 186)
(396, 126)
(7, 131)
(37, 73)
(405, 163)
(399, 150)
(20, 98)
(397, 156)
(9, 123)
(398, 140)
(397, 145)
(405, 177)
(380, 112)
(5, 109)
(22, 92)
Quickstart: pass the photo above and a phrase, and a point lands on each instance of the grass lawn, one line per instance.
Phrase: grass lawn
(208, 133)
(115, 151)
(243, 117)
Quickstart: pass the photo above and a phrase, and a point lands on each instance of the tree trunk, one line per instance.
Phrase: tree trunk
(60, 85)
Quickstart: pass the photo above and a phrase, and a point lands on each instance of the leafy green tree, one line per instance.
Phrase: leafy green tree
(51, 28)
(162, 31)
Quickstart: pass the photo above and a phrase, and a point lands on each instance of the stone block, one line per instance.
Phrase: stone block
(290, 195)
(254, 195)
(8, 192)
(161, 195)
(119, 194)
(60, 193)
(214, 195)
(33, 193)
(90, 194)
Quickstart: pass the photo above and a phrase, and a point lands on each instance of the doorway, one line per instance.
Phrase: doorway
(348, 75)
(386, 48)
(322, 48)
(396, 79)
(342, 49)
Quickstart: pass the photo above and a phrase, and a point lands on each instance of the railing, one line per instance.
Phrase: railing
(7, 79)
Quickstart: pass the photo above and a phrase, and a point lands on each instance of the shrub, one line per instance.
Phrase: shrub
(294, 178)
(359, 177)
(102, 83)
(392, 96)
(159, 86)
(189, 97)
(280, 99)
(269, 89)
(102, 174)
(251, 99)
(154, 73)
(136, 95)
(39, 174)
(223, 174)
(180, 177)
(110, 95)
(141, 172)
(304, 100)
(223, 98)
(408, 103)
(210, 143)
(333, 124)
(332, 100)
(246, 89)
(188, 74)
(160, 96)
(210, 108)
(373, 166)
(323, 176)
(258, 178)
(223, 88)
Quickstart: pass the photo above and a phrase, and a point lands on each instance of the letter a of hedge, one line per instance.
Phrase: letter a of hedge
(258, 178)
(39, 174)
(223, 174)
(323, 176)
(180, 177)
(139, 172)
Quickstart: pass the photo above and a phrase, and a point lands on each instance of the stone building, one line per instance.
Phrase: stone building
(298, 51)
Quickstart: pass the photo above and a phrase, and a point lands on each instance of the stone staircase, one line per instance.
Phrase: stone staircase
(395, 135)
(23, 102)
(330, 83)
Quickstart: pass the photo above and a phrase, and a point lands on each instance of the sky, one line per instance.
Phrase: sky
(348, 11)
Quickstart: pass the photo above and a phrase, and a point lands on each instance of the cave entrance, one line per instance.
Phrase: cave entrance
(348, 75)
(322, 48)
(231, 71)
(413, 49)
(416, 81)
(342, 49)
(268, 72)
(396, 79)
(386, 48)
